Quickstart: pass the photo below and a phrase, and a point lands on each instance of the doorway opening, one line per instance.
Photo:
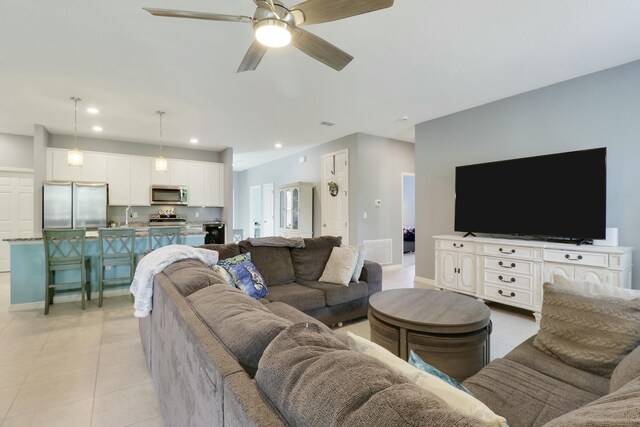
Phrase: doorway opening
(409, 218)
(255, 211)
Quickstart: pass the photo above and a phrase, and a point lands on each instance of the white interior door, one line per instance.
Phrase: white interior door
(255, 211)
(335, 209)
(16, 212)
(267, 228)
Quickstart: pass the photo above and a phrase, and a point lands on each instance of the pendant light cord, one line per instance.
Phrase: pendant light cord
(75, 100)
(160, 113)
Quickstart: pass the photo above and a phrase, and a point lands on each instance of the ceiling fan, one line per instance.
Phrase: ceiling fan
(276, 25)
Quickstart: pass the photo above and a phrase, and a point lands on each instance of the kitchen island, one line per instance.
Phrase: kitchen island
(28, 268)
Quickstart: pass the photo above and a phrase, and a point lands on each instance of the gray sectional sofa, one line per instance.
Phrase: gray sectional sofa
(220, 358)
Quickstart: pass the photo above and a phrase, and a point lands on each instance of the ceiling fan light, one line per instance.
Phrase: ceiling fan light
(273, 33)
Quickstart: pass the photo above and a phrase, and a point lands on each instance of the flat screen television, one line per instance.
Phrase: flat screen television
(559, 196)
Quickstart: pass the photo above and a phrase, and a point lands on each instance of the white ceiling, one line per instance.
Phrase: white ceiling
(421, 59)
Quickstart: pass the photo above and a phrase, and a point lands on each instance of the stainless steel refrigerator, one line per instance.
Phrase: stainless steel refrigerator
(74, 204)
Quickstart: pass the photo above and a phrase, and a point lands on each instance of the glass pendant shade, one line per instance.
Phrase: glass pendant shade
(75, 157)
(161, 164)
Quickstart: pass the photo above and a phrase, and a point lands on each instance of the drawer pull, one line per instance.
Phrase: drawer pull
(513, 279)
(461, 245)
(501, 264)
(578, 258)
(511, 295)
(512, 251)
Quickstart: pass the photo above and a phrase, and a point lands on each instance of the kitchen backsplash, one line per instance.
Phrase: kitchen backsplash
(116, 213)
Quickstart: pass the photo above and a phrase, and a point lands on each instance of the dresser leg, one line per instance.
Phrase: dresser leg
(537, 316)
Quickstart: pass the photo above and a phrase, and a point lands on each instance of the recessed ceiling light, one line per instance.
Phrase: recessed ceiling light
(278, 145)
(93, 110)
(97, 128)
(193, 140)
(403, 118)
(328, 124)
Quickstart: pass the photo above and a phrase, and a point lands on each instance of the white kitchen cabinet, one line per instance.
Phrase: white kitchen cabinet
(61, 171)
(195, 183)
(159, 178)
(119, 179)
(512, 272)
(95, 167)
(214, 184)
(179, 172)
(456, 270)
(140, 181)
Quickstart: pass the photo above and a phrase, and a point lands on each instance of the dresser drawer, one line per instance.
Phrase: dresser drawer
(452, 245)
(577, 257)
(509, 265)
(515, 281)
(503, 251)
(508, 295)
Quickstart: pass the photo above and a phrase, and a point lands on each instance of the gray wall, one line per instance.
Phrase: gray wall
(16, 151)
(133, 148)
(375, 172)
(409, 201)
(597, 110)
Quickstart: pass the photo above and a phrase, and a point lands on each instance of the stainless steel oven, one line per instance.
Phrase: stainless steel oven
(169, 195)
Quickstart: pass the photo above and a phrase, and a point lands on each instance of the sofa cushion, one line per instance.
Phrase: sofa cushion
(241, 323)
(340, 266)
(301, 297)
(225, 251)
(190, 275)
(618, 409)
(274, 263)
(526, 354)
(337, 294)
(313, 379)
(593, 333)
(524, 396)
(308, 263)
(245, 275)
(626, 370)
(293, 315)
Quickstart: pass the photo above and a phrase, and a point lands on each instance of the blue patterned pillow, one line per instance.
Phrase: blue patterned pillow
(245, 276)
(417, 362)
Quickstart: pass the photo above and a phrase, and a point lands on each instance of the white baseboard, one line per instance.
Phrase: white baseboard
(391, 267)
(431, 283)
(67, 298)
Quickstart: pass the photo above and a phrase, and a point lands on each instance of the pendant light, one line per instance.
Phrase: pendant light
(74, 156)
(161, 162)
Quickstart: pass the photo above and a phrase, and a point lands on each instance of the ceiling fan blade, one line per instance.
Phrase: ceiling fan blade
(317, 11)
(197, 15)
(320, 49)
(253, 57)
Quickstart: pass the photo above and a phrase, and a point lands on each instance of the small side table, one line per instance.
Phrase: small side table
(448, 330)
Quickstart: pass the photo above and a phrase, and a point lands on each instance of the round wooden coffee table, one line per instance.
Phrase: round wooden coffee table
(448, 330)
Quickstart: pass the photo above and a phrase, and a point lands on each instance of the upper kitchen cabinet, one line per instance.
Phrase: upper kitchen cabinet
(141, 181)
(159, 178)
(93, 170)
(214, 184)
(179, 172)
(195, 182)
(119, 179)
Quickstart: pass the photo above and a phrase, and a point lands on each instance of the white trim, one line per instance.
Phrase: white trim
(391, 267)
(424, 281)
(67, 298)
(18, 170)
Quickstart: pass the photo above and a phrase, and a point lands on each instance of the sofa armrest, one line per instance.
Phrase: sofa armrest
(372, 274)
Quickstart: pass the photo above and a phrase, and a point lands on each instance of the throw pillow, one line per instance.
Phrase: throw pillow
(592, 333)
(456, 399)
(222, 274)
(340, 266)
(359, 264)
(417, 362)
(594, 289)
(245, 276)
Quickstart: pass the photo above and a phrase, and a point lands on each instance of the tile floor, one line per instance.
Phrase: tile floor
(86, 368)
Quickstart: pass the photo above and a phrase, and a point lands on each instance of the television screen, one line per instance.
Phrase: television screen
(558, 195)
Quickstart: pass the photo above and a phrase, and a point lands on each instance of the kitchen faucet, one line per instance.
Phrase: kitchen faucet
(127, 212)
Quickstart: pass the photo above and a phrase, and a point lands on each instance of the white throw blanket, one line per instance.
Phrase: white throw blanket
(154, 262)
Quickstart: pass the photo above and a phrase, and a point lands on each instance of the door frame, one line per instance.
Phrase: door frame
(402, 176)
(252, 209)
(323, 193)
(273, 208)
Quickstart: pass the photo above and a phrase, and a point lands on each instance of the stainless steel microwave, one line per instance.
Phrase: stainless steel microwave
(169, 195)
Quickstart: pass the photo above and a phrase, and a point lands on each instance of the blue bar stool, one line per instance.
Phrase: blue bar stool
(163, 236)
(65, 250)
(117, 247)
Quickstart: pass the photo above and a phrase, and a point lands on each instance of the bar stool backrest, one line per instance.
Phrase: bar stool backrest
(64, 245)
(117, 242)
(163, 236)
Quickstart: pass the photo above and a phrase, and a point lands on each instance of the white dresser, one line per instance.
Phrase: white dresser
(512, 271)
